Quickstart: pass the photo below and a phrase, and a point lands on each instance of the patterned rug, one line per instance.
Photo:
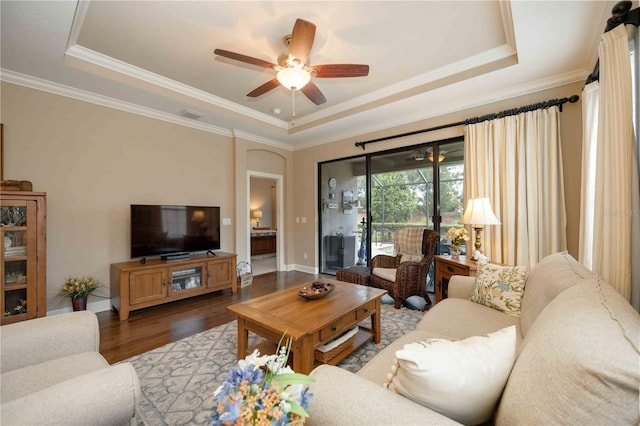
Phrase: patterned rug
(178, 379)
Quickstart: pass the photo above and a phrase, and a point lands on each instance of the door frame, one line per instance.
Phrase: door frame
(279, 212)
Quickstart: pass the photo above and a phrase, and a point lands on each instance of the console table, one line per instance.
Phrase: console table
(135, 285)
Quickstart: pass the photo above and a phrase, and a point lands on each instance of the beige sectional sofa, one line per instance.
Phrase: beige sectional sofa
(53, 374)
(578, 357)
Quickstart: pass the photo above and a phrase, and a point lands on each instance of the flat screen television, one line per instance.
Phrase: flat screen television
(163, 229)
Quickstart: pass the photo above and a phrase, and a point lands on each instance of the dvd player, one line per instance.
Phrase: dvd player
(176, 255)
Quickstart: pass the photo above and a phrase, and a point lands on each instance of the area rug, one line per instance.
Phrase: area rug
(178, 379)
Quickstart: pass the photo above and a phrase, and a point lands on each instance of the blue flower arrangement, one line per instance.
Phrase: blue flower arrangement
(263, 390)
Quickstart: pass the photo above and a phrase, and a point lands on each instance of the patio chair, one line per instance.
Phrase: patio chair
(405, 274)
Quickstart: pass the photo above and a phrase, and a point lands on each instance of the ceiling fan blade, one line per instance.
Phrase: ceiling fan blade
(339, 70)
(244, 58)
(269, 85)
(304, 32)
(314, 94)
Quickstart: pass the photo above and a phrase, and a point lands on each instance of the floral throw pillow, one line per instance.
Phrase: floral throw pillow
(500, 287)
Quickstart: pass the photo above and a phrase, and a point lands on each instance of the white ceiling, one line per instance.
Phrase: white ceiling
(426, 58)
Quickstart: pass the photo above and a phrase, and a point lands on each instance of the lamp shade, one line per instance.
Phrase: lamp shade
(257, 213)
(479, 212)
(293, 78)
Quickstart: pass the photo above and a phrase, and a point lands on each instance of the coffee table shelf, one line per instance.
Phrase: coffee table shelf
(362, 337)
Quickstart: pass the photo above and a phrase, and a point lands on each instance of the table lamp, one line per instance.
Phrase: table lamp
(478, 214)
(257, 214)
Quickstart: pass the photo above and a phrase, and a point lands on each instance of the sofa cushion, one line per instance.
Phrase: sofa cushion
(550, 277)
(461, 379)
(388, 274)
(27, 380)
(579, 363)
(341, 398)
(500, 287)
(377, 368)
(460, 318)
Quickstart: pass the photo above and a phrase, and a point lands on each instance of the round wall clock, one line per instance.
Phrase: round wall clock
(332, 183)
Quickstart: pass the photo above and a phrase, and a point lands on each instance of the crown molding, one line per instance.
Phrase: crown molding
(89, 56)
(467, 103)
(408, 86)
(262, 140)
(85, 96)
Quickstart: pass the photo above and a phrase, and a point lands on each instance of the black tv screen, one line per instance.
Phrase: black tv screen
(164, 229)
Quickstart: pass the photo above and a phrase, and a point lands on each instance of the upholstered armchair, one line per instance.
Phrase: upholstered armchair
(405, 274)
(52, 373)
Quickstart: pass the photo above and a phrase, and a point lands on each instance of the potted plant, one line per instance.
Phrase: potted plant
(78, 290)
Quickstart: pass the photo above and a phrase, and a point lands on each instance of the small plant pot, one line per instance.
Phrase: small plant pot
(79, 304)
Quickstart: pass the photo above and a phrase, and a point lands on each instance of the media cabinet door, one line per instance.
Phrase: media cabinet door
(147, 285)
(221, 273)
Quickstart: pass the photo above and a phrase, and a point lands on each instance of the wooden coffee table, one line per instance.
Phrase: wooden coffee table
(310, 323)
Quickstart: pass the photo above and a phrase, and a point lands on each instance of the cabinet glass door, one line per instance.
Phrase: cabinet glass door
(186, 278)
(17, 266)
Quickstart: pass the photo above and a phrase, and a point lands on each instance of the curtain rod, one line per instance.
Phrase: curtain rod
(621, 13)
(474, 120)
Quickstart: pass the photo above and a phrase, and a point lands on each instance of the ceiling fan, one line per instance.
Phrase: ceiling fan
(420, 154)
(293, 69)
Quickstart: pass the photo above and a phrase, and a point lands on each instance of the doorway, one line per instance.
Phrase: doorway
(265, 219)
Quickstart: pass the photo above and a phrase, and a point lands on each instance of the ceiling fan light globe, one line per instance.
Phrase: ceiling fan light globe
(293, 78)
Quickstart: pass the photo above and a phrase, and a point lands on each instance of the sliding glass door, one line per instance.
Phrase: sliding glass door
(365, 199)
(342, 189)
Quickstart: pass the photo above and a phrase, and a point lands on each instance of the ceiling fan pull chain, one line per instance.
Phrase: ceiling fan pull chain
(293, 107)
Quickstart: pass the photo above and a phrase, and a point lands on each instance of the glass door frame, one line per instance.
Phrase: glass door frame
(436, 217)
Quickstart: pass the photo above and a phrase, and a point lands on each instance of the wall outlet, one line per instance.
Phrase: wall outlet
(297, 220)
(304, 219)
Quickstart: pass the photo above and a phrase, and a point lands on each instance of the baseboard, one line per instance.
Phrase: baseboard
(304, 268)
(97, 306)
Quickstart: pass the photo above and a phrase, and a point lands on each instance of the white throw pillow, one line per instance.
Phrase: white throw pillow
(411, 257)
(500, 287)
(462, 379)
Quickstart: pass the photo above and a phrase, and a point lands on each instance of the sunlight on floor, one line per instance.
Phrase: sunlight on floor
(263, 265)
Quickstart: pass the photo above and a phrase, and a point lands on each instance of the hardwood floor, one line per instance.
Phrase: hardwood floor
(153, 327)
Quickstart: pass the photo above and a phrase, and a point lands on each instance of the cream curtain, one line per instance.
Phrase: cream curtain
(611, 177)
(590, 104)
(516, 161)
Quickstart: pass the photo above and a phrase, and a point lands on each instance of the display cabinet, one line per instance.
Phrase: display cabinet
(23, 256)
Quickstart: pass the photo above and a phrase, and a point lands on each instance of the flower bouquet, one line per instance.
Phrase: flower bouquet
(79, 288)
(457, 235)
(263, 390)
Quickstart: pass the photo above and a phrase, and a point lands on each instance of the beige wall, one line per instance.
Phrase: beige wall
(93, 162)
(306, 161)
(275, 162)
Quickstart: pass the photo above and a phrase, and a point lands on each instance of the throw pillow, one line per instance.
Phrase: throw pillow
(462, 380)
(411, 257)
(500, 287)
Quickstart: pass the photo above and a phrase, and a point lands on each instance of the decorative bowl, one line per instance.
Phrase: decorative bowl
(317, 290)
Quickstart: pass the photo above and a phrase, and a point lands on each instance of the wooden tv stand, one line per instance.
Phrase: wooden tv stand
(135, 285)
